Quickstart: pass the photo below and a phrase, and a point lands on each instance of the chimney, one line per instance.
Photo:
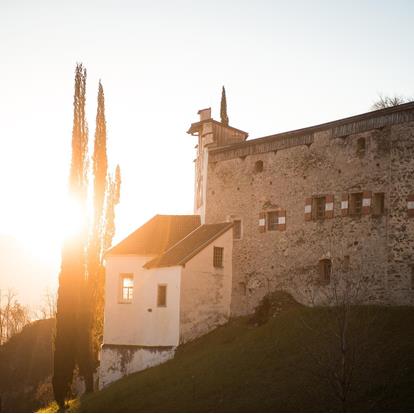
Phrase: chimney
(204, 114)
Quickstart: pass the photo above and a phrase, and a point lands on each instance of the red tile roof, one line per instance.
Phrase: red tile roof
(189, 246)
(156, 235)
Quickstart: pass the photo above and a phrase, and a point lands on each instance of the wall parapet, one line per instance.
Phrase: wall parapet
(339, 129)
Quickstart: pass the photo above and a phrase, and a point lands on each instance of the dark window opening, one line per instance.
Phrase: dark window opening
(237, 231)
(355, 204)
(378, 204)
(218, 257)
(318, 208)
(162, 296)
(272, 220)
(258, 166)
(361, 146)
(243, 288)
(325, 268)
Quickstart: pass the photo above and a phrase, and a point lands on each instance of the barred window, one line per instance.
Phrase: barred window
(378, 204)
(218, 256)
(355, 204)
(272, 220)
(318, 208)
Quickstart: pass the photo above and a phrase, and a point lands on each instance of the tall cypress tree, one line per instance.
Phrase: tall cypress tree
(223, 108)
(96, 273)
(72, 272)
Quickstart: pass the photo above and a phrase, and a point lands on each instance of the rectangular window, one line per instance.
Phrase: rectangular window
(127, 287)
(355, 204)
(325, 268)
(318, 208)
(237, 230)
(272, 220)
(378, 204)
(218, 256)
(162, 296)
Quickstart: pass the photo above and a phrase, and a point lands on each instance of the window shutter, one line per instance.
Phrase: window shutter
(344, 204)
(366, 202)
(281, 220)
(329, 206)
(410, 205)
(262, 222)
(308, 209)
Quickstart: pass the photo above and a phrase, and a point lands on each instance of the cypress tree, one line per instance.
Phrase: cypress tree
(105, 197)
(72, 271)
(223, 108)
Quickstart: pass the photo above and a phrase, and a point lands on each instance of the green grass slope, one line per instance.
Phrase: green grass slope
(286, 364)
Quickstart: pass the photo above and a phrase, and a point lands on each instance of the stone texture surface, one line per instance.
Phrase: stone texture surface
(379, 251)
(118, 361)
(206, 291)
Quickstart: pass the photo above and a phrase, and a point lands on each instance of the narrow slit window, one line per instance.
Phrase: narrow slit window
(237, 230)
(162, 296)
(325, 269)
(361, 146)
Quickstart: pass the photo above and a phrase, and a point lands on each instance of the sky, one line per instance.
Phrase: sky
(285, 65)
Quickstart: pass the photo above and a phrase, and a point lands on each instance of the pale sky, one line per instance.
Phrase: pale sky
(285, 65)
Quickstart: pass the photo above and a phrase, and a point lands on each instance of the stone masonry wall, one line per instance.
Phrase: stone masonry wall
(375, 250)
(401, 239)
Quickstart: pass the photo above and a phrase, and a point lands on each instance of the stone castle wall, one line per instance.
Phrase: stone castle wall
(375, 251)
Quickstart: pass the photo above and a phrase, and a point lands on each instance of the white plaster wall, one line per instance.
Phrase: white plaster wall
(141, 322)
(206, 290)
(118, 362)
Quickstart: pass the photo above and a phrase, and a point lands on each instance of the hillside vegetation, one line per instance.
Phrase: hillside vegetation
(285, 363)
(26, 366)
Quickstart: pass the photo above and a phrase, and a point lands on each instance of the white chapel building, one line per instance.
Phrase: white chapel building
(166, 283)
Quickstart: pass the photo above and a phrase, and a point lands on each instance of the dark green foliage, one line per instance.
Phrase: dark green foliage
(271, 368)
(26, 363)
(72, 271)
(271, 305)
(223, 108)
(106, 195)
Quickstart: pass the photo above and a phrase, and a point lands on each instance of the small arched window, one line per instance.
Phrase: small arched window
(258, 166)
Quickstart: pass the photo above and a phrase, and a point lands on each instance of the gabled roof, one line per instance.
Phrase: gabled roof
(156, 235)
(188, 247)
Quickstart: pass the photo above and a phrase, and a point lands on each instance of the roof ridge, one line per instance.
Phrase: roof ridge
(197, 249)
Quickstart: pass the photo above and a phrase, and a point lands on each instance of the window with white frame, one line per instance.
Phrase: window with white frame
(127, 287)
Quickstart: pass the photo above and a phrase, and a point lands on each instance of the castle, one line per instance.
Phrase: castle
(313, 211)
(313, 205)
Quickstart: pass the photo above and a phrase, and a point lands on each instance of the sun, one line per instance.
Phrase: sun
(44, 227)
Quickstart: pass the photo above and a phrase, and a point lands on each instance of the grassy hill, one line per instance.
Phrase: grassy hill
(26, 366)
(286, 363)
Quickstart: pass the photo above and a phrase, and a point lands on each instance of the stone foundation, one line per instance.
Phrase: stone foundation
(120, 360)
